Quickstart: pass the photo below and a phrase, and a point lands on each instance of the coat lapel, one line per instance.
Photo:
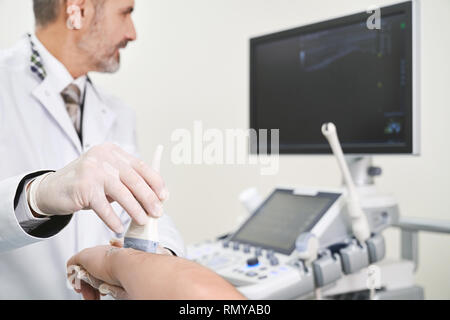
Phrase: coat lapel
(54, 104)
(98, 118)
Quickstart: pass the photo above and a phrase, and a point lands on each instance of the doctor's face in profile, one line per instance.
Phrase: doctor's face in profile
(110, 29)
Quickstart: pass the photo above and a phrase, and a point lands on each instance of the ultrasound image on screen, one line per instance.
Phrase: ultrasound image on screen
(358, 78)
(284, 216)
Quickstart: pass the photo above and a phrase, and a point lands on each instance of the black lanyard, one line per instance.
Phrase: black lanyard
(80, 135)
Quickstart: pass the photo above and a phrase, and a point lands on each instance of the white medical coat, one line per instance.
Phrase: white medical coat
(37, 134)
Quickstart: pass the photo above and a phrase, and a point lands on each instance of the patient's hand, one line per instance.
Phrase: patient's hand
(90, 274)
(131, 274)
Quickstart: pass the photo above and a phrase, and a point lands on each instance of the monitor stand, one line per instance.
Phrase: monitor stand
(362, 170)
(364, 173)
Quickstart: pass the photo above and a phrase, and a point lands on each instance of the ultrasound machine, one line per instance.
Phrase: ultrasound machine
(334, 87)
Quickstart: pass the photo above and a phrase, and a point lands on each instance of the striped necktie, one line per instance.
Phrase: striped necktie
(72, 98)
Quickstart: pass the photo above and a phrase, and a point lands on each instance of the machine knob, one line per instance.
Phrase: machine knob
(253, 262)
(374, 171)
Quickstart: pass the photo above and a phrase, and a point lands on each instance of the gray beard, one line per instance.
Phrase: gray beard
(110, 66)
(102, 62)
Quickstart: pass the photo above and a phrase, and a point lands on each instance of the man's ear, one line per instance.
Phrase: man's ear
(75, 14)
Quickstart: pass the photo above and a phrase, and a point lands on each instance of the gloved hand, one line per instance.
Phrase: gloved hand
(103, 175)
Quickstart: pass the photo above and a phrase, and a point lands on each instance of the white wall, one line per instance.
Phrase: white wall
(191, 63)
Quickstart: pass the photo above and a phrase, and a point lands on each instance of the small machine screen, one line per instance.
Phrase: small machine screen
(282, 218)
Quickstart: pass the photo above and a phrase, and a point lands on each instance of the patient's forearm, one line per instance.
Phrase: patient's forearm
(148, 276)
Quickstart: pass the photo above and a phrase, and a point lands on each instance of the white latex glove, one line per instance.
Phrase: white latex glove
(103, 175)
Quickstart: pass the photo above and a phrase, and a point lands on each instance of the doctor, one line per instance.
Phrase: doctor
(68, 160)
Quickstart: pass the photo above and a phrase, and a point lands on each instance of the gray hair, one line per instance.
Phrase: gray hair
(46, 11)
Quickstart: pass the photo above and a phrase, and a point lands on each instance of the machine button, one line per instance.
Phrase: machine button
(262, 277)
(274, 262)
(246, 249)
(251, 274)
(226, 244)
(253, 262)
(236, 246)
(258, 252)
(270, 254)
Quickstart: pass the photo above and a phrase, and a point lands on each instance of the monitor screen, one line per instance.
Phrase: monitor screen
(337, 71)
(282, 218)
